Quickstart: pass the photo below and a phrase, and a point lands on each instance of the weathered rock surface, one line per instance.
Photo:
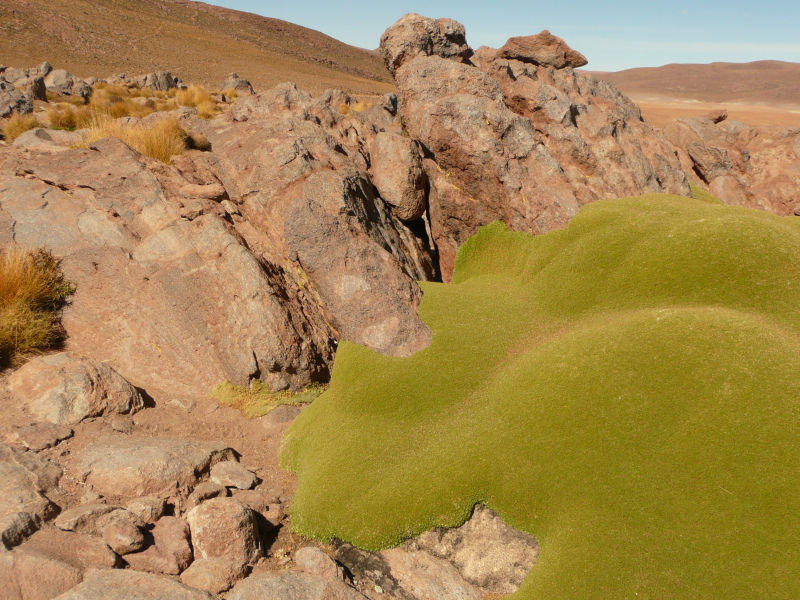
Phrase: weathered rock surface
(171, 552)
(147, 509)
(222, 527)
(25, 480)
(758, 167)
(543, 49)
(314, 561)
(129, 467)
(65, 83)
(292, 585)
(121, 532)
(204, 491)
(398, 174)
(237, 84)
(103, 584)
(487, 552)
(52, 140)
(230, 473)
(65, 389)
(83, 518)
(425, 577)
(13, 101)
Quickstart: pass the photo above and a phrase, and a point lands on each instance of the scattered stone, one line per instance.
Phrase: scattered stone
(52, 140)
(24, 481)
(121, 532)
(40, 437)
(130, 467)
(160, 81)
(288, 584)
(223, 527)
(718, 115)
(13, 101)
(121, 424)
(313, 561)
(147, 509)
(543, 49)
(204, 491)
(231, 473)
(65, 389)
(280, 415)
(83, 519)
(171, 552)
(104, 584)
(62, 82)
(33, 88)
(214, 575)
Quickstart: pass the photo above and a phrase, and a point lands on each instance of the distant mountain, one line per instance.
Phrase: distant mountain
(767, 81)
(196, 41)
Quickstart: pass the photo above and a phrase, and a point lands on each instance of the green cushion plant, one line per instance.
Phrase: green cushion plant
(624, 389)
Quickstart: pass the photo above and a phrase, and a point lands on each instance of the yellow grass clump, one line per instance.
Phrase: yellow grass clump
(197, 96)
(161, 139)
(32, 290)
(68, 117)
(18, 124)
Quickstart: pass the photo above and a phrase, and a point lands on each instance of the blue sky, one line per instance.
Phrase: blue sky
(612, 35)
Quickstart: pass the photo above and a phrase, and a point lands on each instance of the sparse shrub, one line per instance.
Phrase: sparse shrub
(257, 400)
(359, 106)
(18, 124)
(197, 141)
(193, 96)
(344, 109)
(161, 139)
(69, 117)
(32, 290)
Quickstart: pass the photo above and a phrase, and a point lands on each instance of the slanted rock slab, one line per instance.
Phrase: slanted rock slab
(230, 473)
(292, 585)
(171, 552)
(214, 575)
(223, 527)
(65, 389)
(40, 437)
(425, 577)
(131, 585)
(130, 467)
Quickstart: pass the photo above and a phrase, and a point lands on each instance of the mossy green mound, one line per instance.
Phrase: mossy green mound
(624, 389)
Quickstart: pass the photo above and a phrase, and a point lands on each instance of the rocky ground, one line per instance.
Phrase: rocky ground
(309, 221)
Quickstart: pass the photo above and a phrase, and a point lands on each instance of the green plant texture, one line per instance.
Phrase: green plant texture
(256, 401)
(624, 389)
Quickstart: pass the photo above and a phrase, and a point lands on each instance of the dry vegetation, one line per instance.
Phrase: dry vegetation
(32, 290)
(16, 125)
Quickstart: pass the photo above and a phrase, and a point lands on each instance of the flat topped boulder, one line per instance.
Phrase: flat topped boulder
(543, 49)
(414, 35)
(130, 467)
(65, 389)
(131, 585)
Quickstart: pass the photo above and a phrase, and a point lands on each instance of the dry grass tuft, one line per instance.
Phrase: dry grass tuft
(160, 139)
(197, 96)
(18, 124)
(256, 401)
(68, 117)
(32, 290)
(344, 109)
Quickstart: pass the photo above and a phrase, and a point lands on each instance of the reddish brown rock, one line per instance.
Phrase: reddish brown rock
(204, 491)
(146, 509)
(543, 49)
(40, 437)
(120, 532)
(221, 527)
(292, 585)
(65, 389)
(103, 584)
(414, 35)
(214, 575)
(231, 473)
(398, 174)
(314, 561)
(425, 577)
(83, 518)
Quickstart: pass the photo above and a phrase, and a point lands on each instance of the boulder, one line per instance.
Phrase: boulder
(235, 83)
(214, 575)
(48, 139)
(485, 551)
(161, 81)
(40, 437)
(396, 167)
(543, 49)
(718, 115)
(13, 101)
(65, 389)
(171, 552)
(103, 584)
(121, 532)
(25, 481)
(65, 83)
(231, 473)
(292, 585)
(414, 35)
(33, 87)
(204, 491)
(129, 467)
(147, 509)
(12, 75)
(222, 527)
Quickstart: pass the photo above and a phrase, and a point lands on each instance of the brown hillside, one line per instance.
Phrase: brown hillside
(768, 82)
(197, 42)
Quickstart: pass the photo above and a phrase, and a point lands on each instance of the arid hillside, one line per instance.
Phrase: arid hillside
(197, 42)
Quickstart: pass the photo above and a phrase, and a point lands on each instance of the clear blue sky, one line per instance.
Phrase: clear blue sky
(612, 35)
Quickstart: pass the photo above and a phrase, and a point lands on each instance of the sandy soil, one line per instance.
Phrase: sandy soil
(659, 111)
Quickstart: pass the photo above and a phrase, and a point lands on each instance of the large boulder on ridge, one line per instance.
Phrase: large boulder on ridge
(543, 49)
(415, 35)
